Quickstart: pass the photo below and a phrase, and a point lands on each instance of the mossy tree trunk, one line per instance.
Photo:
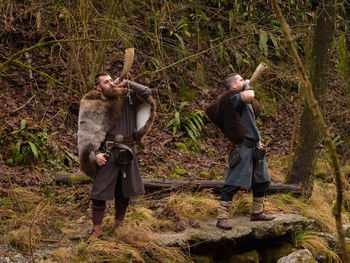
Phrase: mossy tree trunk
(321, 125)
(309, 140)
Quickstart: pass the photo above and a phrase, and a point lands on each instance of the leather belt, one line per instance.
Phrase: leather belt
(120, 139)
(249, 144)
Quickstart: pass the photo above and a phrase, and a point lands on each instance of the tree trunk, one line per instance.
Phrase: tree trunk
(321, 124)
(309, 140)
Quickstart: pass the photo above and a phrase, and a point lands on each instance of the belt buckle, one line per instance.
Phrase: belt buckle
(119, 138)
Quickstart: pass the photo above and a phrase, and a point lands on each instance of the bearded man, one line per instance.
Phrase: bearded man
(107, 132)
(234, 112)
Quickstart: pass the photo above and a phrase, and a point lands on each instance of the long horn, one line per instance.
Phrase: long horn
(262, 66)
(129, 59)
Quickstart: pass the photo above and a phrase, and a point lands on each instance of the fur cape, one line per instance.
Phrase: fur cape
(96, 118)
(227, 118)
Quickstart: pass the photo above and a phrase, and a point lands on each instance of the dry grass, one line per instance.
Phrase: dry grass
(107, 251)
(63, 255)
(318, 207)
(188, 206)
(26, 195)
(24, 239)
(316, 245)
(133, 242)
(136, 241)
(241, 204)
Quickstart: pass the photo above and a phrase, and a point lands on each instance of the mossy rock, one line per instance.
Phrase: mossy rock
(80, 179)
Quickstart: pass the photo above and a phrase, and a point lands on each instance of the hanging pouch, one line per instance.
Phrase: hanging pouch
(259, 153)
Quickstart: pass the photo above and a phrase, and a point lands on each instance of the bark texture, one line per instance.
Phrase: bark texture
(309, 139)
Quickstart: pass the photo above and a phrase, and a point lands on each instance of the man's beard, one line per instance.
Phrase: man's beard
(111, 93)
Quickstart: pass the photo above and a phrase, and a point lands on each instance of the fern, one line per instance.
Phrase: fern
(191, 122)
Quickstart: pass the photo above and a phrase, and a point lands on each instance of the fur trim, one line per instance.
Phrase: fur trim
(96, 118)
(142, 132)
(223, 115)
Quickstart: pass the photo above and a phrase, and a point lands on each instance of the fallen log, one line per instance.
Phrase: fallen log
(215, 186)
(195, 185)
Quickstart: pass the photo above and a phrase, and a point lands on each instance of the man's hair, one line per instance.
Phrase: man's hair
(229, 79)
(97, 77)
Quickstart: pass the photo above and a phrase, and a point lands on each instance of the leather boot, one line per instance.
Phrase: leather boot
(261, 217)
(223, 215)
(257, 213)
(98, 212)
(97, 231)
(120, 211)
(223, 224)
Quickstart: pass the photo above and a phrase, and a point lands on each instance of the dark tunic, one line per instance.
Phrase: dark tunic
(104, 184)
(246, 172)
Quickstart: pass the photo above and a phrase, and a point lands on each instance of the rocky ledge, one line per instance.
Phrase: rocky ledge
(243, 232)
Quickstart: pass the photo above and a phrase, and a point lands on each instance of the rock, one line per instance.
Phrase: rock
(299, 256)
(332, 240)
(243, 231)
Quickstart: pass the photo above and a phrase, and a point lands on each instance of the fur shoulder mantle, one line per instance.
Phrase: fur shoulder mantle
(223, 115)
(97, 117)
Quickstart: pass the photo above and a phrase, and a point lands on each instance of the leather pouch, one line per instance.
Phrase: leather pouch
(259, 153)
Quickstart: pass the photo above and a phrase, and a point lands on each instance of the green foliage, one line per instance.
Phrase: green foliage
(181, 29)
(343, 57)
(263, 43)
(186, 92)
(192, 122)
(26, 145)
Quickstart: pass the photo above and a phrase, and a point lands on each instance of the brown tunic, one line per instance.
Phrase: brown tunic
(104, 184)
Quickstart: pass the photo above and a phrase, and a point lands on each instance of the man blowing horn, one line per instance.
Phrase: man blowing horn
(107, 132)
(234, 112)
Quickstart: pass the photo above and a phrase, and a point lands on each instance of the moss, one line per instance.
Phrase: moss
(186, 93)
(211, 153)
(158, 176)
(179, 171)
(173, 176)
(205, 174)
(182, 147)
(193, 146)
(79, 179)
(215, 171)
